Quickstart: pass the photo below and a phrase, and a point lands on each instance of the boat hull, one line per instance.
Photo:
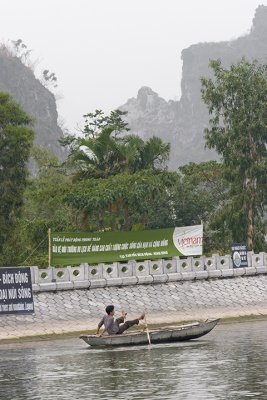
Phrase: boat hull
(163, 335)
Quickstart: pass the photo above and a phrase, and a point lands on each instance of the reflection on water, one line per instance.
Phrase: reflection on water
(228, 363)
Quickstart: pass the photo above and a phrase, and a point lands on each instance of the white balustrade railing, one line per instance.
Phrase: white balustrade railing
(144, 272)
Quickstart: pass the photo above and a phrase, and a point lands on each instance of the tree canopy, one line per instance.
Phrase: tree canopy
(237, 102)
(105, 149)
(124, 200)
(16, 139)
(115, 174)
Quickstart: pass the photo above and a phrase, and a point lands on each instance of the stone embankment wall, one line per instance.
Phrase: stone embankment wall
(74, 298)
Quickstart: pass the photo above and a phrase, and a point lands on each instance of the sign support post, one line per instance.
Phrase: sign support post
(49, 247)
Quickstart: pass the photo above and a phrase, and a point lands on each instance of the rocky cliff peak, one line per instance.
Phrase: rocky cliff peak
(20, 82)
(149, 114)
(147, 99)
(182, 123)
(259, 26)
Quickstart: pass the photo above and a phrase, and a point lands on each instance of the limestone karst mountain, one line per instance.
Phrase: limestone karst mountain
(182, 122)
(179, 122)
(19, 81)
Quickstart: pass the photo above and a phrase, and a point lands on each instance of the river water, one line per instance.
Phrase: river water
(228, 363)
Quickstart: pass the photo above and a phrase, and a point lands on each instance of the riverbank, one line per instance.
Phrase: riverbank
(75, 311)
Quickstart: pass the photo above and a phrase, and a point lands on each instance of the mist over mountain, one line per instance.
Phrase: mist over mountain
(182, 122)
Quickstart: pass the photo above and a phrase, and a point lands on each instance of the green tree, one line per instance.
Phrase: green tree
(43, 208)
(202, 191)
(104, 148)
(16, 139)
(124, 200)
(237, 102)
(140, 155)
(105, 163)
(201, 197)
(94, 152)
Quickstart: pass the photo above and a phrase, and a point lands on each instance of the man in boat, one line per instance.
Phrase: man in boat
(117, 326)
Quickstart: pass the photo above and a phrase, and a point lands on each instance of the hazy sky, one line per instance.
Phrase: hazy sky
(103, 51)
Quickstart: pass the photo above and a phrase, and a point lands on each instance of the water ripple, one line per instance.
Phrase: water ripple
(229, 364)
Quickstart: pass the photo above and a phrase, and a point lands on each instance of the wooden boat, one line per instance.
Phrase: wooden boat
(166, 334)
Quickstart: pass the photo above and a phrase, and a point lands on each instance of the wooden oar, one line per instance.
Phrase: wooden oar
(147, 332)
